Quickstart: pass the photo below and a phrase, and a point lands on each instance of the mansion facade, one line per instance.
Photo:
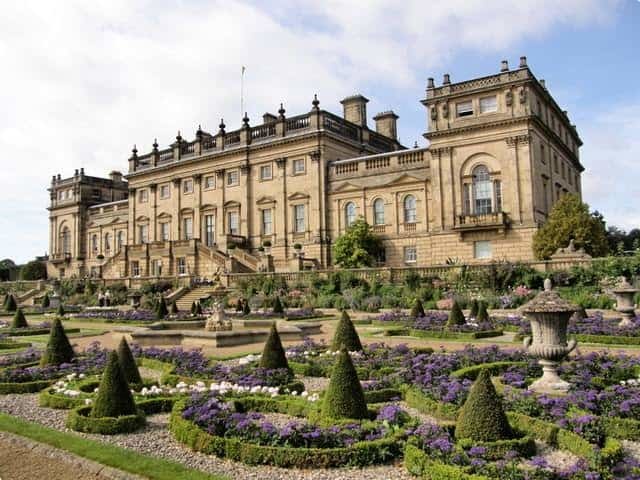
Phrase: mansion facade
(276, 196)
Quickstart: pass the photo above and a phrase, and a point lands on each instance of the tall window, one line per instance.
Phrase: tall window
(410, 254)
(464, 109)
(107, 243)
(187, 186)
(187, 228)
(165, 191)
(497, 191)
(209, 182)
(233, 177)
(164, 231)
(144, 196)
(410, 209)
(265, 172)
(298, 216)
(234, 223)
(65, 240)
(143, 233)
(94, 243)
(482, 249)
(209, 230)
(156, 266)
(181, 264)
(349, 214)
(488, 104)
(135, 269)
(378, 212)
(267, 223)
(482, 191)
(120, 239)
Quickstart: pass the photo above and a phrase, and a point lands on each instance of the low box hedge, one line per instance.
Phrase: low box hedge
(24, 387)
(524, 445)
(495, 368)
(49, 399)
(23, 332)
(417, 462)
(418, 400)
(297, 407)
(80, 421)
(455, 335)
(382, 395)
(151, 406)
(607, 339)
(13, 345)
(621, 428)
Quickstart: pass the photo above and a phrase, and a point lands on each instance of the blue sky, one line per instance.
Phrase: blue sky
(86, 80)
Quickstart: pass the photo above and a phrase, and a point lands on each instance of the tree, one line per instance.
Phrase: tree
(58, 350)
(417, 310)
(473, 312)
(346, 335)
(114, 397)
(34, 270)
(483, 313)
(456, 317)
(273, 356)
(344, 397)
(128, 363)
(570, 219)
(357, 247)
(10, 303)
(18, 320)
(161, 309)
(46, 302)
(174, 308)
(277, 306)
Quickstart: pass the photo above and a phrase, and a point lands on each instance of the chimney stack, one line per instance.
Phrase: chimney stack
(386, 124)
(430, 83)
(504, 66)
(355, 109)
(447, 79)
(523, 62)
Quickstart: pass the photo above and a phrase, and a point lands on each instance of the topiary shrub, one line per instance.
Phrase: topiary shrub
(456, 317)
(273, 355)
(11, 304)
(128, 364)
(483, 314)
(482, 416)
(194, 309)
(198, 308)
(246, 309)
(161, 309)
(473, 313)
(417, 310)
(58, 350)
(346, 335)
(46, 301)
(18, 320)
(60, 312)
(174, 308)
(114, 398)
(344, 397)
(277, 306)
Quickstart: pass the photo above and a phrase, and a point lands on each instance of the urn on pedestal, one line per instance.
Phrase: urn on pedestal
(625, 293)
(549, 317)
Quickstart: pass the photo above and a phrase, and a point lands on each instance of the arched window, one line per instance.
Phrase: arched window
(410, 209)
(378, 212)
(120, 239)
(94, 243)
(349, 213)
(65, 240)
(107, 242)
(482, 190)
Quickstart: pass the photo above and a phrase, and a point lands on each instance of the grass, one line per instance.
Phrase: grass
(85, 332)
(110, 455)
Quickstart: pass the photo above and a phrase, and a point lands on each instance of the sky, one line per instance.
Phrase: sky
(82, 82)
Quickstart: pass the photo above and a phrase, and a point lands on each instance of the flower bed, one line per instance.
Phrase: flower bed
(28, 357)
(434, 325)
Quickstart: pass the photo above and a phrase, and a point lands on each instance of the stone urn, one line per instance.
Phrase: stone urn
(549, 317)
(624, 293)
(217, 321)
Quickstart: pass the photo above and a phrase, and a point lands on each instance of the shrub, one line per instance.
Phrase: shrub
(198, 308)
(482, 416)
(346, 335)
(128, 364)
(473, 313)
(161, 310)
(60, 311)
(273, 355)
(46, 302)
(174, 308)
(246, 309)
(456, 317)
(58, 349)
(483, 314)
(417, 310)
(10, 303)
(344, 397)
(114, 398)
(357, 247)
(18, 320)
(194, 309)
(277, 306)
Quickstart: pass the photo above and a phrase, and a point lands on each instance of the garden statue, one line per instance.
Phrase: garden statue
(625, 294)
(217, 321)
(549, 316)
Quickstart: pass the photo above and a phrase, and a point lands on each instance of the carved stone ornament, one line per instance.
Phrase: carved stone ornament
(434, 113)
(508, 98)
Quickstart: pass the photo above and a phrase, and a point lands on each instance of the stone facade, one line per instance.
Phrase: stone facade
(501, 153)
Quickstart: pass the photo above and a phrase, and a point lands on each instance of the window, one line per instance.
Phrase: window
(488, 104)
(466, 199)
(233, 178)
(298, 216)
(267, 224)
(187, 186)
(209, 230)
(143, 233)
(164, 231)
(542, 157)
(143, 196)
(234, 224)
(209, 182)
(165, 192)
(187, 228)
(107, 243)
(181, 266)
(349, 214)
(464, 109)
(564, 170)
(555, 163)
(497, 190)
(481, 190)
(410, 209)
(94, 243)
(569, 176)
(482, 249)
(298, 166)
(156, 267)
(65, 240)
(410, 255)
(545, 201)
(120, 239)
(265, 172)
(135, 269)
(378, 212)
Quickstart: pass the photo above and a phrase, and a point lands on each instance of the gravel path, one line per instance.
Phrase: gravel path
(156, 440)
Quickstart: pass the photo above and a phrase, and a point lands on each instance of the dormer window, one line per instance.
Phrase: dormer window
(464, 109)
(488, 104)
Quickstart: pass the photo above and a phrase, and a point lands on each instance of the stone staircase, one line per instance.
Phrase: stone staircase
(196, 293)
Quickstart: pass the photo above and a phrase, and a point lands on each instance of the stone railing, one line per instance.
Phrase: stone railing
(381, 163)
(481, 220)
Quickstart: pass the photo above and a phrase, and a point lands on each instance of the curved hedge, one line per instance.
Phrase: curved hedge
(418, 463)
(49, 399)
(23, 332)
(382, 395)
(455, 335)
(80, 421)
(358, 454)
(24, 387)
(442, 411)
(525, 446)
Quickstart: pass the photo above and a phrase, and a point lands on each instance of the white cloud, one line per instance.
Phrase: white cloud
(83, 81)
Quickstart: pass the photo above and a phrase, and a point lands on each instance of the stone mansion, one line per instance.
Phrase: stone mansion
(275, 196)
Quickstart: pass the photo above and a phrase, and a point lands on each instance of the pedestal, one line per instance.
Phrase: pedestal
(550, 382)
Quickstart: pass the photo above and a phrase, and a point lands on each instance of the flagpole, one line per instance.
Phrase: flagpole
(242, 92)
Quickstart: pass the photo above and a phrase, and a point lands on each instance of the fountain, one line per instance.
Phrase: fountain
(549, 316)
(217, 321)
(625, 293)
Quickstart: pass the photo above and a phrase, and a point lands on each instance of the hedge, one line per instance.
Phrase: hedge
(49, 399)
(382, 395)
(442, 411)
(418, 462)
(80, 421)
(24, 387)
(23, 332)
(495, 368)
(297, 407)
(168, 377)
(621, 428)
(525, 446)
(455, 335)
(13, 345)
(358, 454)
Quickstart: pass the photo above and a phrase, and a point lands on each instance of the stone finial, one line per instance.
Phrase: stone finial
(415, 145)
(430, 83)
(504, 66)
(81, 171)
(134, 151)
(199, 132)
(53, 179)
(59, 177)
(547, 285)
(315, 102)
(179, 137)
(75, 173)
(523, 62)
(155, 145)
(245, 121)
(446, 80)
(281, 111)
(222, 126)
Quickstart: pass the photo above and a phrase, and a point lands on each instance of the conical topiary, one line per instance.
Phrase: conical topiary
(277, 306)
(456, 317)
(193, 308)
(46, 301)
(473, 311)
(114, 398)
(198, 308)
(483, 315)
(344, 397)
(246, 309)
(18, 320)
(11, 305)
(128, 363)
(273, 355)
(58, 350)
(60, 312)
(174, 308)
(482, 416)
(161, 309)
(346, 335)
(417, 310)
(239, 305)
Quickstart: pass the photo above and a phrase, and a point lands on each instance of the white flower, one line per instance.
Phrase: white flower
(294, 393)
(304, 394)
(87, 401)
